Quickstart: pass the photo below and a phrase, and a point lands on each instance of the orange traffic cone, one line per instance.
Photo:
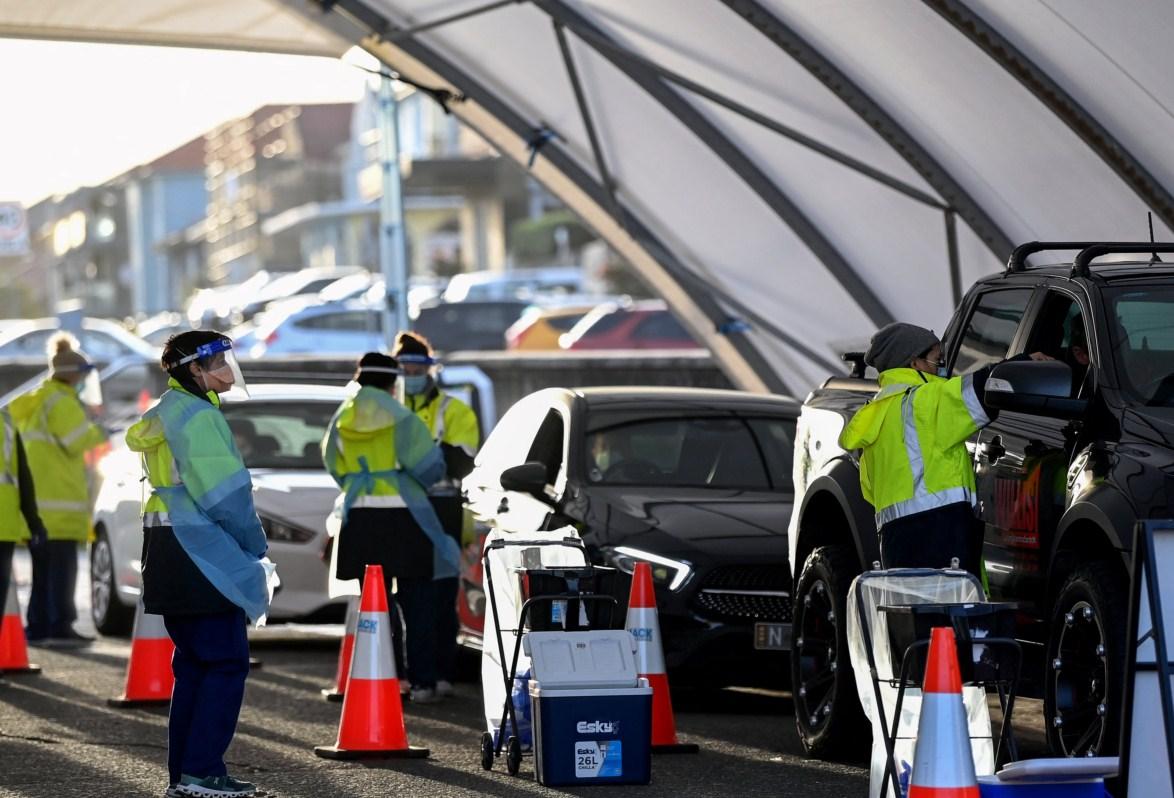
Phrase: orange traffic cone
(144, 401)
(14, 650)
(372, 723)
(943, 766)
(644, 626)
(344, 653)
(149, 678)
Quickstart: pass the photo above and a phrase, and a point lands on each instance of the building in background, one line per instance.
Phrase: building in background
(459, 197)
(98, 245)
(277, 158)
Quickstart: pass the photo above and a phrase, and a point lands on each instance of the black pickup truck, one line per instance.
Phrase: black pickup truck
(1082, 448)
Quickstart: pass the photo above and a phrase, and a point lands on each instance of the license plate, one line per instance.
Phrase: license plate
(772, 636)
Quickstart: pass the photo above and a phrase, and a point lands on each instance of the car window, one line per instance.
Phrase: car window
(348, 321)
(547, 447)
(280, 434)
(30, 344)
(661, 325)
(101, 346)
(1143, 343)
(1059, 332)
(990, 329)
(730, 453)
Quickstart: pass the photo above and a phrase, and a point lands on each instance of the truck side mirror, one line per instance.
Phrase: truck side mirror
(525, 478)
(1042, 388)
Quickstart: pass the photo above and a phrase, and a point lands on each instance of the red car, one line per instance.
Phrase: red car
(641, 325)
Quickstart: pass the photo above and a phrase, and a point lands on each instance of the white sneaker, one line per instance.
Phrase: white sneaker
(443, 688)
(424, 695)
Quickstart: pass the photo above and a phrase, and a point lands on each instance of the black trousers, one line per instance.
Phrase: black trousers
(931, 539)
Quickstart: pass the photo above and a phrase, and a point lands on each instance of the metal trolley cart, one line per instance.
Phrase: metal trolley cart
(895, 611)
(562, 597)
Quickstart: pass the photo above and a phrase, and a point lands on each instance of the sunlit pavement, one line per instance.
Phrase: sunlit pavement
(59, 738)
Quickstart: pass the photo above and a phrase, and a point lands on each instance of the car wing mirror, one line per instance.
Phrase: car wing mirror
(525, 478)
(1042, 388)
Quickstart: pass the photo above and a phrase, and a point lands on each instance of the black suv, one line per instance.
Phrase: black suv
(1083, 447)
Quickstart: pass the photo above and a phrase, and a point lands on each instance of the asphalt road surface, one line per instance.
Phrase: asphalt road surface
(58, 738)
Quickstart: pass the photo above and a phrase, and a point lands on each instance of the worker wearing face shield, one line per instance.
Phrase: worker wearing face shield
(57, 433)
(454, 427)
(203, 556)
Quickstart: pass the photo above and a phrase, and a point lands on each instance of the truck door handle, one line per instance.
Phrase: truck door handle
(994, 449)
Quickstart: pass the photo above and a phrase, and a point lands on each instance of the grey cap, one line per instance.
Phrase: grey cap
(895, 345)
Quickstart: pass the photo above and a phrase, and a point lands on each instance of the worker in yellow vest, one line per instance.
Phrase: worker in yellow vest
(454, 427)
(19, 521)
(57, 433)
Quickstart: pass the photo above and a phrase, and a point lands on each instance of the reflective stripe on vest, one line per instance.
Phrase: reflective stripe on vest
(8, 467)
(366, 500)
(156, 518)
(438, 422)
(63, 505)
(922, 498)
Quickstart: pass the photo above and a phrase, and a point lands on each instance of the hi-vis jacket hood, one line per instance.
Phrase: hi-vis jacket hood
(382, 456)
(912, 437)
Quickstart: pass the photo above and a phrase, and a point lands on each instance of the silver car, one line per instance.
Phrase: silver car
(278, 430)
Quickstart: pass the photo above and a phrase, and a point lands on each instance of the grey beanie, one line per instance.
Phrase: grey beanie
(65, 358)
(896, 345)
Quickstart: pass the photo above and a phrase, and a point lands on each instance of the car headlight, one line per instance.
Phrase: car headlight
(282, 532)
(666, 572)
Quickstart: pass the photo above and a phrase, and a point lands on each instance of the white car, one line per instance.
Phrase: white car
(294, 327)
(278, 430)
(102, 341)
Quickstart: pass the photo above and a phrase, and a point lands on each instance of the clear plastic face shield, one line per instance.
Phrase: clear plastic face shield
(221, 371)
(419, 374)
(89, 388)
(353, 386)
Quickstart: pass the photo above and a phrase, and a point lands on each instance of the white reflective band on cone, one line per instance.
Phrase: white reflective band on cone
(372, 658)
(148, 626)
(644, 626)
(11, 605)
(942, 758)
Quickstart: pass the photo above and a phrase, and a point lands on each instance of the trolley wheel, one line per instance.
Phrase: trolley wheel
(513, 756)
(487, 751)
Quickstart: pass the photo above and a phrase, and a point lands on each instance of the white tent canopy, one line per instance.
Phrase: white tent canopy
(789, 174)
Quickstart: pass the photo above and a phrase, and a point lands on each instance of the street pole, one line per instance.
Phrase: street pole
(392, 253)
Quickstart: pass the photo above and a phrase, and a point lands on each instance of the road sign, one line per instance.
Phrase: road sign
(14, 229)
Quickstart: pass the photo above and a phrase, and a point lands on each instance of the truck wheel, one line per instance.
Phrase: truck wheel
(827, 709)
(110, 616)
(1085, 667)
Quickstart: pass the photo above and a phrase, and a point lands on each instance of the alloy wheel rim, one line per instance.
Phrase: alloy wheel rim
(816, 649)
(1080, 682)
(101, 577)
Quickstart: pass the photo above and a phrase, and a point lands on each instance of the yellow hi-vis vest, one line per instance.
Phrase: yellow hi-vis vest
(56, 435)
(912, 437)
(449, 420)
(13, 528)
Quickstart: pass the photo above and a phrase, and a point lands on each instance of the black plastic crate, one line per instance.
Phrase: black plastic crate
(971, 622)
(567, 612)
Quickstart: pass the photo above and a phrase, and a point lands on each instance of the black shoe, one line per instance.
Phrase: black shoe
(69, 639)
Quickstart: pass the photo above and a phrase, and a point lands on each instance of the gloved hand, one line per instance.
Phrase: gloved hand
(37, 539)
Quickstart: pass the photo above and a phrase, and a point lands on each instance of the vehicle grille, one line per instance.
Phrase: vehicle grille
(745, 593)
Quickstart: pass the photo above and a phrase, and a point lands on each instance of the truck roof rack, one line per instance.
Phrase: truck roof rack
(1018, 260)
(1080, 266)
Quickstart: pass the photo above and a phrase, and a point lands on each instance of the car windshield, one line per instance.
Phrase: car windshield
(1143, 343)
(728, 452)
(282, 435)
